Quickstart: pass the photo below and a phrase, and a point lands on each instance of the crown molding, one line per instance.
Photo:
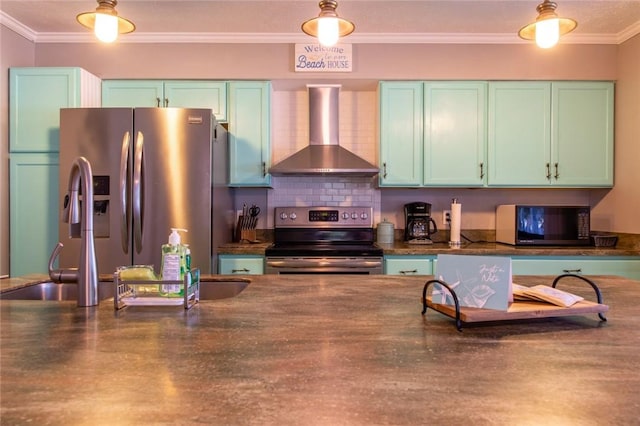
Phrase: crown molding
(17, 27)
(629, 32)
(289, 38)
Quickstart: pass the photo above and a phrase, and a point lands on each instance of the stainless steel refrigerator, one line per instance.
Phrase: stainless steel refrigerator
(153, 169)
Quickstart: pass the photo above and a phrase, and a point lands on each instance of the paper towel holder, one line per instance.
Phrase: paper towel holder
(454, 224)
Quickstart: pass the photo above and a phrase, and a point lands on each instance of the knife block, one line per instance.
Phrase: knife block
(244, 234)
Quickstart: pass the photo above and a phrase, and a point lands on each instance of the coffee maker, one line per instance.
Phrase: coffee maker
(419, 226)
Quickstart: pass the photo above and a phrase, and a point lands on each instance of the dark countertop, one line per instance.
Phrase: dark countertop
(321, 349)
(402, 248)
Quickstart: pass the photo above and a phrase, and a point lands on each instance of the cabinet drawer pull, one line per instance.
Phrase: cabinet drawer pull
(572, 271)
(238, 271)
(411, 271)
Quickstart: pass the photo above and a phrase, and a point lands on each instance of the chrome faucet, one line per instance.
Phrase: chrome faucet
(86, 275)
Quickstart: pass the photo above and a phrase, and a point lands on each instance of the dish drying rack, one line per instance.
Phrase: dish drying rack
(147, 292)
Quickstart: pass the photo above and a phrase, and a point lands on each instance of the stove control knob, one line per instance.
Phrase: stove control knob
(293, 216)
(364, 216)
(345, 215)
(354, 215)
(283, 216)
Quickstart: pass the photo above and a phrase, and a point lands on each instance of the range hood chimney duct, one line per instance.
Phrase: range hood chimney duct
(324, 155)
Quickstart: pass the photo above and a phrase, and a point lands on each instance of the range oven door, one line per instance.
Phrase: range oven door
(323, 265)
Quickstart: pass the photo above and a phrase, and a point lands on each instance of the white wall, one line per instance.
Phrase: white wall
(618, 210)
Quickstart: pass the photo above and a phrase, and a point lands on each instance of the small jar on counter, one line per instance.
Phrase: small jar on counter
(385, 232)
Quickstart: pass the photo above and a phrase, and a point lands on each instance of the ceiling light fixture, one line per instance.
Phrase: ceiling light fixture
(548, 27)
(105, 22)
(328, 27)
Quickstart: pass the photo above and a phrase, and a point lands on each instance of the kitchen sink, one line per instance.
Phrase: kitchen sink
(213, 290)
(209, 290)
(54, 292)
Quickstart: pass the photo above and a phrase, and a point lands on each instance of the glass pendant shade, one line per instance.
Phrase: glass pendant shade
(105, 22)
(548, 27)
(547, 33)
(328, 31)
(106, 27)
(328, 27)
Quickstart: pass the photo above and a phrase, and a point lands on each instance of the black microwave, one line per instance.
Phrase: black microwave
(535, 225)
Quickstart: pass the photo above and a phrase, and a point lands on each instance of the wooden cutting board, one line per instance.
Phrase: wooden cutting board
(519, 310)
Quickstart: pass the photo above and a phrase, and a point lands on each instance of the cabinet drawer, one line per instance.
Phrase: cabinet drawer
(409, 265)
(625, 266)
(241, 264)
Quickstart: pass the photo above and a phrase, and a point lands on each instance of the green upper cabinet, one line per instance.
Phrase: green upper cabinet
(455, 135)
(432, 133)
(519, 133)
(551, 134)
(401, 133)
(198, 94)
(249, 133)
(132, 93)
(36, 96)
(582, 133)
(170, 93)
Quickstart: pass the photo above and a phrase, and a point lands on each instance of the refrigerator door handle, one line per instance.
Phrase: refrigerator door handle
(136, 201)
(124, 185)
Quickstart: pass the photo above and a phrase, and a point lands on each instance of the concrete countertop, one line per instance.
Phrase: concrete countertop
(402, 248)
(321, 349)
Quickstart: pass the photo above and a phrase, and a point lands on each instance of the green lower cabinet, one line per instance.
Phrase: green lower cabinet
(240, 264)
(408, 265)
(626, 266)
(33, 212)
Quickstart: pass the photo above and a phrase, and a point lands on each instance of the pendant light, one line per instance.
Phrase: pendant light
(548, 27)
(328, 27)
(105, 22)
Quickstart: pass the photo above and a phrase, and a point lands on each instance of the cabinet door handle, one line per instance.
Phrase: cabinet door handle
(572, 271)
(264, 169)
(548, 171)
(166, 102)
(411, 271)
(557, 175)
(481, 170)
(158, 102)
(238, 271)
(384, 170)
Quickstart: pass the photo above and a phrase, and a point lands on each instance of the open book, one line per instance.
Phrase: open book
(544, 293)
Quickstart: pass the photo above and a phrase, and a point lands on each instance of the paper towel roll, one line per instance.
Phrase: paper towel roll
(456, 212)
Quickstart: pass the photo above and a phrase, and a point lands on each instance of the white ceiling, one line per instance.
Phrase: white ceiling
(278, 21)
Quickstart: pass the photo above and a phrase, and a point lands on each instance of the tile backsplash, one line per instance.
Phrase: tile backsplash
(324, 191)
(291, 133)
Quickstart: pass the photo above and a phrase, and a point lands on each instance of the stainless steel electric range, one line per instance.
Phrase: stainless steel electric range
(323, 240)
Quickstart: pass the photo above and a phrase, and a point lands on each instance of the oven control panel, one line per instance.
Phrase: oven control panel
(323, 217)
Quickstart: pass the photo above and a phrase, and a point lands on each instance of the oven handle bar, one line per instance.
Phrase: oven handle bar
(324, 262)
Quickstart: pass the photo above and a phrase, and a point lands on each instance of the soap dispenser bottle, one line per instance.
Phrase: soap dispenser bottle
(173, 263)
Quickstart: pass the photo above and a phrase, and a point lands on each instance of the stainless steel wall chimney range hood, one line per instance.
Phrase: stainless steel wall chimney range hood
(324, 155)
